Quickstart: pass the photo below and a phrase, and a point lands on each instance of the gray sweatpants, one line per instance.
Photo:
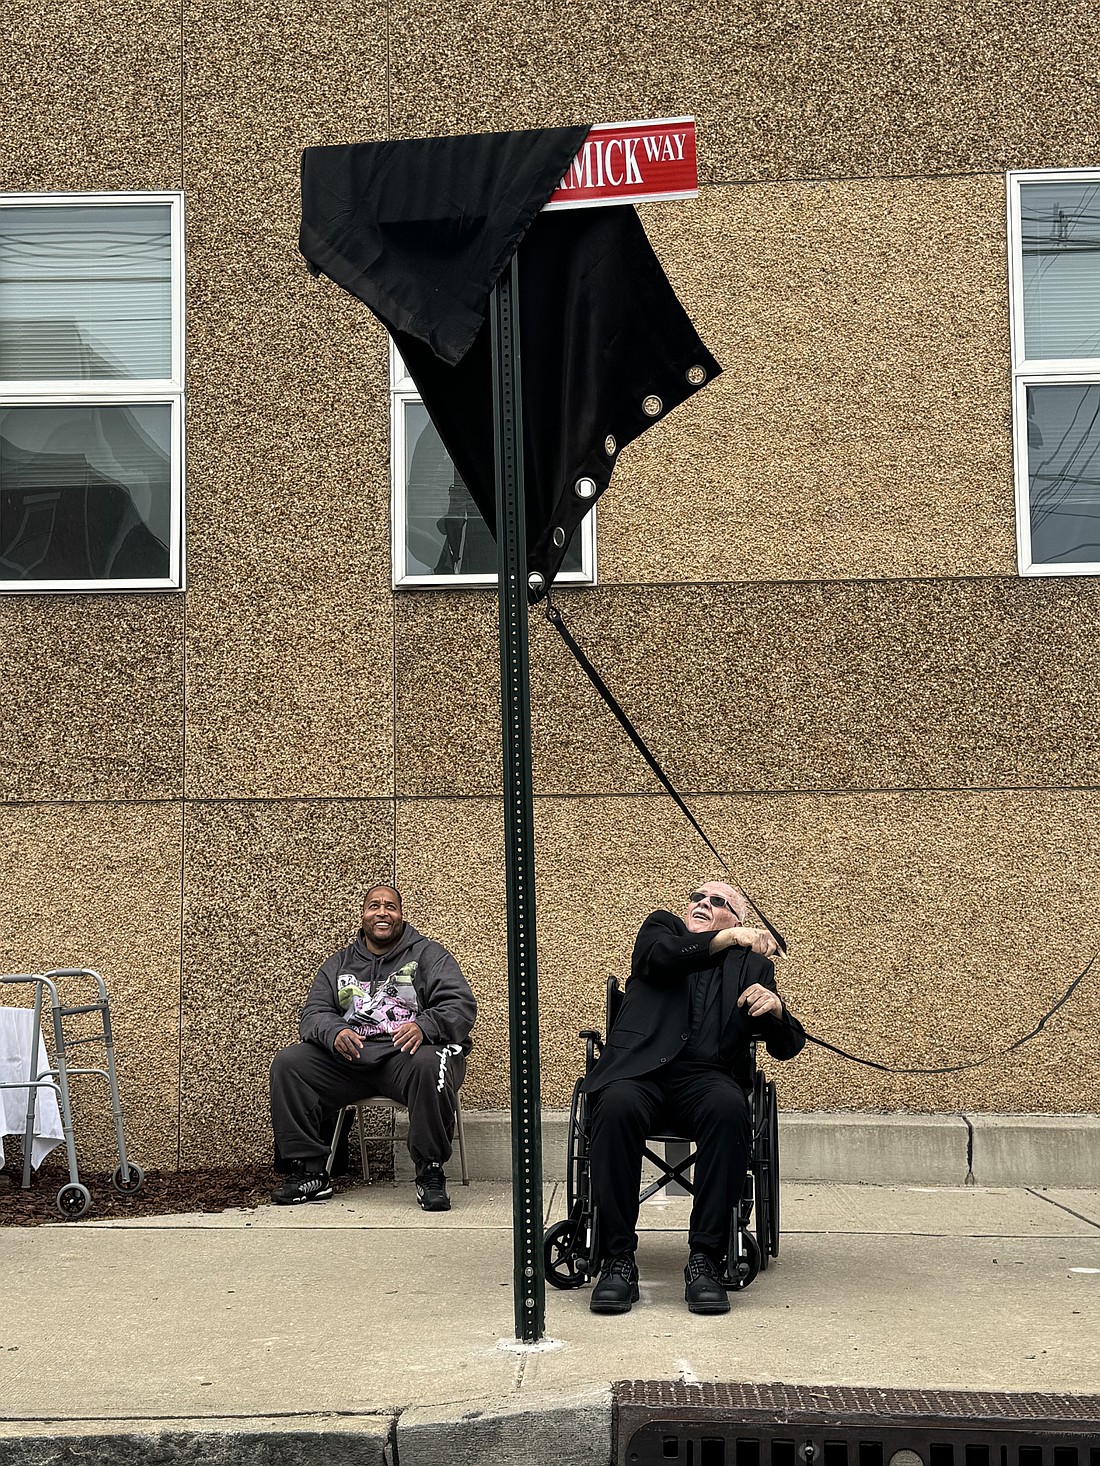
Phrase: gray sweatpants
(309, 1086)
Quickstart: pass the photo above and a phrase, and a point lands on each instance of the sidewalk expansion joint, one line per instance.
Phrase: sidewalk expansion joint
(1039, 1196)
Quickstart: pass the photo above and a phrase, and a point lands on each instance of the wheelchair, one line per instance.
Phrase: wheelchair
(571, 1249)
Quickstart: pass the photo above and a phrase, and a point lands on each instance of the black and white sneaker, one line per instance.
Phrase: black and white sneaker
(431, 1189)
(301, 1186)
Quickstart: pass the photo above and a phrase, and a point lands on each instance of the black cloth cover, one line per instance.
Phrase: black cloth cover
(421, 230)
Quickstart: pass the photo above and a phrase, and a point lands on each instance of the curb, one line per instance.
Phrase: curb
(572, 1429)
(528, 1430)
(362, 1440)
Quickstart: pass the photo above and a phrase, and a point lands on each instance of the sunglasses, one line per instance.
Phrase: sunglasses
(715, 900)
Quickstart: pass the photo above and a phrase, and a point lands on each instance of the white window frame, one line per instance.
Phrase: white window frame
(1075, 371)
(403, 391)
(121, 392)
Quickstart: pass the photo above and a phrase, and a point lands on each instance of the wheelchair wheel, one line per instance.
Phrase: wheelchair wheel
(564, 1255)
(773, 1169)
(761, 1168)
(743, 1258)
(576, 1178)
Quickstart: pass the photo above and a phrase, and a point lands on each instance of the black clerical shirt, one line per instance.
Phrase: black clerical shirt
(705, 1011)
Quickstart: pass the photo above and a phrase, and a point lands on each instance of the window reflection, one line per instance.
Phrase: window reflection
(85, 492)
(1060, 228)
(1063, 431)
(444, 531)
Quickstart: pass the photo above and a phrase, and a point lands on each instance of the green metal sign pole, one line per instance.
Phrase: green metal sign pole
(529, 1279)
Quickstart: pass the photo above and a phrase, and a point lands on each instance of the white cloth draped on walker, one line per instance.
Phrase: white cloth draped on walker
(18, 1040)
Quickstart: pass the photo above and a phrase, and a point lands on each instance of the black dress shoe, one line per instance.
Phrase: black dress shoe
(703, 1287)
(618, 1285)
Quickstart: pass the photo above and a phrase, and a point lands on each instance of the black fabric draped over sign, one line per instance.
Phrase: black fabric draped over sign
(421, 230)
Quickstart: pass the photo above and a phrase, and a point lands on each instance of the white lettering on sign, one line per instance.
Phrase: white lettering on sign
(615, 161)
(667, 149)
(627, 162)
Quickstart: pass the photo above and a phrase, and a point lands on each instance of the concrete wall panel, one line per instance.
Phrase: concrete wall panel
(91, 697)
(794, 88)
(861, 427)
(98, 885)
(91, 95)
(908, 88)
(289, 685)
(271, 890)
(1051, 87)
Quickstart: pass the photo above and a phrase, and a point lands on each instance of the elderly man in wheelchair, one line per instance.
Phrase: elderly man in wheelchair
(678, 1062)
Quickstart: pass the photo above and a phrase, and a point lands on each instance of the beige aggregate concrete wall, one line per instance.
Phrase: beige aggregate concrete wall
(781, 89)
(98, 885)
(91, 697)
(859, 427)
(91, 95)
(925, 928)
(289, 607)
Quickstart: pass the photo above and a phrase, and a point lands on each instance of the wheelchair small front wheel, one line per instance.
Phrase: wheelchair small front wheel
(563, 1254)
(743, 1262)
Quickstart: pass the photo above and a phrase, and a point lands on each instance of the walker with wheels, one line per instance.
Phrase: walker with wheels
(74, 1198)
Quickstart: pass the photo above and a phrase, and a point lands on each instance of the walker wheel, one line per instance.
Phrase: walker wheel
(128, 1188)
(73, 1201)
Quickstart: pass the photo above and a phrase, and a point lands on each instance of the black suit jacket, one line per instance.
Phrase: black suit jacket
(654, 1023)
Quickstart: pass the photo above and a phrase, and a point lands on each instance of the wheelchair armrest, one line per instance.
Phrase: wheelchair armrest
(593, 1047)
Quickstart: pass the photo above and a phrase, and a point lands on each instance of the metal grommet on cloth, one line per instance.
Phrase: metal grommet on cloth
(535, 581)
(558, 537)
(696, 376)
(609, 446)
(585, 488)
(651, 406)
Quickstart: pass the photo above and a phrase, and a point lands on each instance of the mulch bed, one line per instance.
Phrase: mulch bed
(213, 1190)
(163, 1193)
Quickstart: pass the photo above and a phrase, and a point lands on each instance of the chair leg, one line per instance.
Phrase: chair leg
(341, 1121)
(363, 1144)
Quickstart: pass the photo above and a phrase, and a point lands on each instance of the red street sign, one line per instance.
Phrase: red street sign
(626, 162)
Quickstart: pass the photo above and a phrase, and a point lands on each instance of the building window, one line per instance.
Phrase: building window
(1054, 268)
(439, 536)
(91, 392)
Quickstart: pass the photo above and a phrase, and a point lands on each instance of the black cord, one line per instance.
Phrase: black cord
(973, 1063)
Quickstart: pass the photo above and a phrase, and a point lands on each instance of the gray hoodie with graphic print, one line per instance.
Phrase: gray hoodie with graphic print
(421, 971)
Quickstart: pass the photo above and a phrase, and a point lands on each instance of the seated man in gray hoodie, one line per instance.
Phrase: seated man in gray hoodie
(389, 1015)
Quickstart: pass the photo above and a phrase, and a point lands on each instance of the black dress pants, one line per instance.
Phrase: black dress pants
(703, 1103)
(310, 1084)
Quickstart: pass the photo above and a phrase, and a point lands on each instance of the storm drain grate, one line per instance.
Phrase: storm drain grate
(658, 1423)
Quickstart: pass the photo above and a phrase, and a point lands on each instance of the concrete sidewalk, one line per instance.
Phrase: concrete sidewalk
(362, 1326)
